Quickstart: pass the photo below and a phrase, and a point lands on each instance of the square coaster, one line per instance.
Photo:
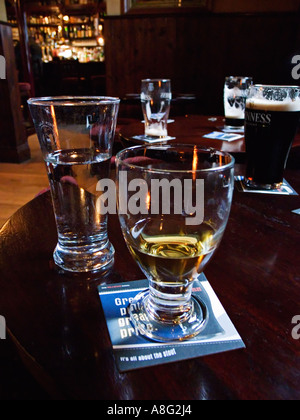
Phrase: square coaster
(148, 139)
(284, 189)
(133, 351)
(216, 135)
(297, 211)
(227, 129)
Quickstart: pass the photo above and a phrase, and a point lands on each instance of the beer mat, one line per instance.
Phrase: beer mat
(297, 211)
(133, 351)
(168, 122)
(148, 139)
(227, 129)
(216, 135)
(284, 189)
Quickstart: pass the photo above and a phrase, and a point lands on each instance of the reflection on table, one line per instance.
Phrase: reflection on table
(57, 323)
(191, 129)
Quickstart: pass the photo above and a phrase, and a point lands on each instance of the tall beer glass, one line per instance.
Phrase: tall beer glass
(76, 136)
(236, 90)
(271, 122)
(156, 101)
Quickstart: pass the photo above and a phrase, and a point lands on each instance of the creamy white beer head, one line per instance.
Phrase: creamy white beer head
(264, 105)
(258, 101)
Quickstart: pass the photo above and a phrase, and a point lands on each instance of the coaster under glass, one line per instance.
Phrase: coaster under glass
(186, 327)
(151, 139)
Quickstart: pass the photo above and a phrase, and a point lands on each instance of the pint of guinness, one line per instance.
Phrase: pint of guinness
(271, 121)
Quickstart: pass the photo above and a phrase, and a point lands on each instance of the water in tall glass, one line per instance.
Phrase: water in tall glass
(76, 136)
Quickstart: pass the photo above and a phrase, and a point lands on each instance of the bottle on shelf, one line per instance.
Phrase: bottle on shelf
(56, 33)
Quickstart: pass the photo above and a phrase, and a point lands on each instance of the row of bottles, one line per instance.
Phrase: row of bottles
(65, 27)
(67, 33)
(44, 34)
(78, 31)
(78, 37)
(44, 20)
(66, 2)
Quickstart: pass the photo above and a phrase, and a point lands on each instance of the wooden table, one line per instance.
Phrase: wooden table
(191, 129)
(57, 323)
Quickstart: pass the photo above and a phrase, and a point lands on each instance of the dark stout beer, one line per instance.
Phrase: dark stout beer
(270, 128)
(234, 122)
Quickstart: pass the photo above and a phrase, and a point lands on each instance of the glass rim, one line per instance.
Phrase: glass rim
(164, 147)
(66, 100)
(156, 80)
(239, 77)
(275, 86)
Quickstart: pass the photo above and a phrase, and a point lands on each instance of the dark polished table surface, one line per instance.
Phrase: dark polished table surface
(191, 129)
(56, 321)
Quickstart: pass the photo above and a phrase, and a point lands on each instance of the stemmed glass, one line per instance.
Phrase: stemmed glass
(173, 203)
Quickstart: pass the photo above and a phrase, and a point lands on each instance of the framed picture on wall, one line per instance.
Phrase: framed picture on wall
(150, 6)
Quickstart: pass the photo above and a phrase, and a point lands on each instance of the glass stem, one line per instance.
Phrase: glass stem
(170, 302)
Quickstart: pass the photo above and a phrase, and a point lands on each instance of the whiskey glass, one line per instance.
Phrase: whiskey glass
(173, 204)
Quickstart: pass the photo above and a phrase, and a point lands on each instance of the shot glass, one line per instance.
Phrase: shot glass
(76, 137)
(236, 90)
(156, 101)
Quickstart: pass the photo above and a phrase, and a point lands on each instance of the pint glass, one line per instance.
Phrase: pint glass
(271, 122)
(156, 101)
(236, 90)
(76, 136)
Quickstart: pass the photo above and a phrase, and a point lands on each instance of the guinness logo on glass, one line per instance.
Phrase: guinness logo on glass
(258, 117)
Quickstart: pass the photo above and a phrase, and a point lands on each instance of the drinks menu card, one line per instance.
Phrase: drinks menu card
(133, 351)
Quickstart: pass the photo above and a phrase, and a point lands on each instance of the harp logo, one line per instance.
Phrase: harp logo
(2, 328)
(2, 67)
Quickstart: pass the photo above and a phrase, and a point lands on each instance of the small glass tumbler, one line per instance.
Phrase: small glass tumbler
(76, 136)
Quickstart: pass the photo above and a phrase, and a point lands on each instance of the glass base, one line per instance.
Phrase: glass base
(233, 129)
(182, 328)
(249, 183)
(84, 259)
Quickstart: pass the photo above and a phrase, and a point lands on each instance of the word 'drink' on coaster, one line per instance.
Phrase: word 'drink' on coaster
(133, 351)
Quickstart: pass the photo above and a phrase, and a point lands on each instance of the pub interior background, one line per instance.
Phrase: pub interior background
(55, 47)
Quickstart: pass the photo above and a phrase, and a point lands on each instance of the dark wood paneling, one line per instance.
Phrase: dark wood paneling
(197, 51)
